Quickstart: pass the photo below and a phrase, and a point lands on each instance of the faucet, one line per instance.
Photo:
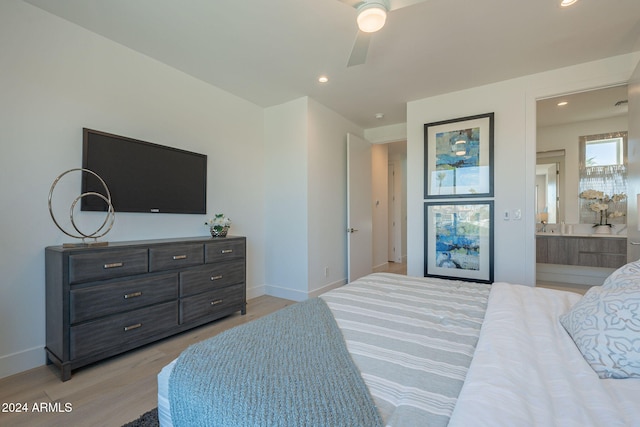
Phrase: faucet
(544, 226)
(624, 227)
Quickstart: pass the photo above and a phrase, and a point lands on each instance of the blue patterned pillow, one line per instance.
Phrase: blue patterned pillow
(628, 274)
(605, 325)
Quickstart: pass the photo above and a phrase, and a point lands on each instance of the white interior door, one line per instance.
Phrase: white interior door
(359, 209)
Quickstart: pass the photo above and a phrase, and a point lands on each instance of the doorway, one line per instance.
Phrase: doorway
(390, 207)
(561, 123)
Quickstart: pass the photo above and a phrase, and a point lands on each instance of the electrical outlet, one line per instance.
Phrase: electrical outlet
(517, 214)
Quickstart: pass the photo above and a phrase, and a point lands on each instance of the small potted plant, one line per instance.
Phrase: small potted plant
(218, 225)
(601, 204)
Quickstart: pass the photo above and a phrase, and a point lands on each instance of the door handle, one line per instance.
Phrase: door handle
(634, 243)
(351, 230)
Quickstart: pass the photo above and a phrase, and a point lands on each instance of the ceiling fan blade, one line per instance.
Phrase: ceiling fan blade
(398, 4)
(352, 3)
(360, 49)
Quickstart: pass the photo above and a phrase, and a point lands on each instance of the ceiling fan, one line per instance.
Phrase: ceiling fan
(372, 15)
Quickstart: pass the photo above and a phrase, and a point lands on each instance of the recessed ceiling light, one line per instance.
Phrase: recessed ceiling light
(323, 79)
(565, 3)
(379, 116)
(562, 104)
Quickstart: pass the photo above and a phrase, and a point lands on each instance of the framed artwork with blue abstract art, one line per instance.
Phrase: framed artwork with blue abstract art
(459, 240)
(459, 157)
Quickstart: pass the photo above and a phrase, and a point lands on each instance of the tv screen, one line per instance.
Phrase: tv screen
(141, 176)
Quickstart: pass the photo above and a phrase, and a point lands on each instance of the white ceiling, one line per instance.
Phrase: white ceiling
(270, 52)
(583, 106)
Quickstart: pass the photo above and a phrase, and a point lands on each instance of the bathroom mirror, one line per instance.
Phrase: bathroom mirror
(549, 167)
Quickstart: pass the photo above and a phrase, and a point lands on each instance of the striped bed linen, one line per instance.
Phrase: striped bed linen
(413, 339)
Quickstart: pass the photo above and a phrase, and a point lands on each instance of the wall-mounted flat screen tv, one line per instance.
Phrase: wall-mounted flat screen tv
(141, 176)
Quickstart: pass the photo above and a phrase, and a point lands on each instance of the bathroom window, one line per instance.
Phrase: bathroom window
(603, 167)
(604, 152)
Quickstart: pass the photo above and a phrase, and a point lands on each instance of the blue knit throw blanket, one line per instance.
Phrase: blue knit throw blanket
(290, 368)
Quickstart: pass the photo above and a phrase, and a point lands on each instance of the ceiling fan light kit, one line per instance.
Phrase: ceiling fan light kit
(566, 3)
(372, 15)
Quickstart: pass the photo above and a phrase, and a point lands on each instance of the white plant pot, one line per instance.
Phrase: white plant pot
(602, 229)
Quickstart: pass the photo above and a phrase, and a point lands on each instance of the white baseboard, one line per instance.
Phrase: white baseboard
(295, 295)
(286, 293)
(21, 361)
(255, 292)
(327, 288)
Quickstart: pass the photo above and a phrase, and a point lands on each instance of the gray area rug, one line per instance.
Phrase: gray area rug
(148, 419)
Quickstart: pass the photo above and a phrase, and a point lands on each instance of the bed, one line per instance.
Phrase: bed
(425, 352)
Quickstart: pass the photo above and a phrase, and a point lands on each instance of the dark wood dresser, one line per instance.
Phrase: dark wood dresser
(102, 301)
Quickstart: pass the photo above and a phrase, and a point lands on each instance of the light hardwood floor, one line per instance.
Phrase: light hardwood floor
(392, 267)
(112, 392)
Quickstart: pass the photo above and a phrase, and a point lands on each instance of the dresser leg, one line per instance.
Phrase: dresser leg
(65, 371)
(65, 367)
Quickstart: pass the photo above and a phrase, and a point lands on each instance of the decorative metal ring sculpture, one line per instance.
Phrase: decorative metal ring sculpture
(109, 218)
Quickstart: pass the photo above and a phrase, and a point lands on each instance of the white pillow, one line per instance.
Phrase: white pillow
(605, 325)
(628, 274)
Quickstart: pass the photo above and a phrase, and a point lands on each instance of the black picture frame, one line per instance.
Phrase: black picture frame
(458, 241)
(458, 157)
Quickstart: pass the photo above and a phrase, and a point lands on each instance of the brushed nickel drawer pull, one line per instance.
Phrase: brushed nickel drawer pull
(216, 302)
(226, 251)
(216, 277)
(113, 265)
(176, 257)
(136, 326)
(133, 295)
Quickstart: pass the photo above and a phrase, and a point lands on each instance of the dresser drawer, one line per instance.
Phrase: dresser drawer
(110, 333)
(224, 249)
(102, 300)
(107, 264)
(212, 303)
(212, 277)
(175, 256)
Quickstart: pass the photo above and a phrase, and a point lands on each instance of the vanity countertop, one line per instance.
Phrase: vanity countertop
(606, 236)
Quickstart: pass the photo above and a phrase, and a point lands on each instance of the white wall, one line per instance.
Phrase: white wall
(514, 105)
(327, 203)
(566, 137)
(286, 192)
(305, 192)
(57, 78)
